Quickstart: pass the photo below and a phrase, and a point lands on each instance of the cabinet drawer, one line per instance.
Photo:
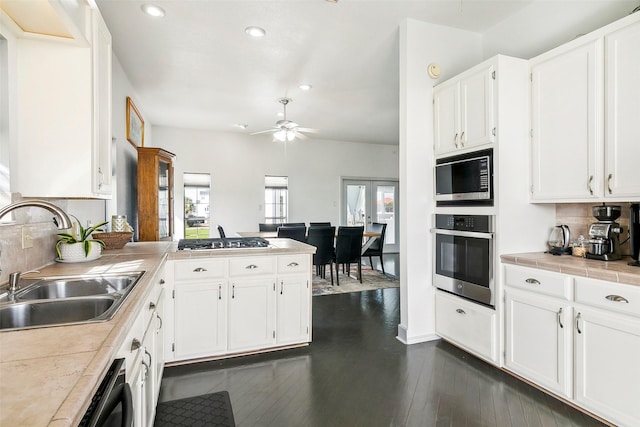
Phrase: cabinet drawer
(467, 324)
(540, 281)
(252, 266)
(198, 269)
(612, 296)
(293, 264)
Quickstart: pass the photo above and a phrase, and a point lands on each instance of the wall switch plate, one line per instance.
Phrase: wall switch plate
(27, 237)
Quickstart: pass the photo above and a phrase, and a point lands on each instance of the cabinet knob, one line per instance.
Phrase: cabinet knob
(532, 281)
(152, 305)
(135, 344)
(251, 267)
(460, 311)
(162, 282)
(293, 264)
(199, 270)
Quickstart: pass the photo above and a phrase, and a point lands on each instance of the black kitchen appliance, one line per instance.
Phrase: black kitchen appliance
(604, 242)
(222, 243)
(634, 233)
(465, 180)
(464, 256)
(112, 404)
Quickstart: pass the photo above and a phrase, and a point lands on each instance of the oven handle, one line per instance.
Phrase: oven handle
(476, 234)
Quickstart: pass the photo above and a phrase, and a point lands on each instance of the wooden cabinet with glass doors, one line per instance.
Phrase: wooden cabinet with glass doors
(155, 194)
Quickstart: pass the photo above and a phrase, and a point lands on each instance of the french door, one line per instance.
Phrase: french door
(368, 201)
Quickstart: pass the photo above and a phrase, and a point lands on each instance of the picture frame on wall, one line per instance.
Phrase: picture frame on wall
(135, 125)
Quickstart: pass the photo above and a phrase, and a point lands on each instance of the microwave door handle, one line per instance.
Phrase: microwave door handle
(475, 234)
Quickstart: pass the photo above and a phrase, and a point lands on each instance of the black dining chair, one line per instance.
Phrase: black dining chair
(320, 224)
(294, 224)
(349, 250)
(377, 246)
(295, 233)
(322, 238)
(268, 227)
(221, 231)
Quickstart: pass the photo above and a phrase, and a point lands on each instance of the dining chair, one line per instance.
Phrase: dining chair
(268, 227)
(296, 233)
(349, 249)
(221, 231)
(377, 246)
(322, 238)
(294, 224)
(320, 224)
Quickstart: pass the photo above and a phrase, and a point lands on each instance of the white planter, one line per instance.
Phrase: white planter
(74, 252)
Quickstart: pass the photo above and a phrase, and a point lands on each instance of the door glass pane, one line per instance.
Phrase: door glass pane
(196, 205)
(356, 205)
(163, 199)
(386, 210)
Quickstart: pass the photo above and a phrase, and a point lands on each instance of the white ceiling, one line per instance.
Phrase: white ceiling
(196, 68)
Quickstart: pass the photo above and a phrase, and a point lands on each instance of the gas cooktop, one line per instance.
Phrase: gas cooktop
(222, 243)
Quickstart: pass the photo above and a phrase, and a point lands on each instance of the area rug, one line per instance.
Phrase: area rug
(211, 410)
(371, 280)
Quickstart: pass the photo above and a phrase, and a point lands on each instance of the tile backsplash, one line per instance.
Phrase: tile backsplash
(578, 216)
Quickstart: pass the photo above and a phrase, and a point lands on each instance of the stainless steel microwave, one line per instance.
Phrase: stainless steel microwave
(465, 179)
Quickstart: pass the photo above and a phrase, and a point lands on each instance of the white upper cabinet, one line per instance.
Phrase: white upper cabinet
(63, 127)
(585, 98)
(622, 113)
(464, 111)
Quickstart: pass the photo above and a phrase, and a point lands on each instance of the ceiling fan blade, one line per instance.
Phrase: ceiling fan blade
(265, 131)
(308, 130)
(300, 135)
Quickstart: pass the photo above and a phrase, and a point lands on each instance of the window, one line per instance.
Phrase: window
(196, 205)
(276, 199)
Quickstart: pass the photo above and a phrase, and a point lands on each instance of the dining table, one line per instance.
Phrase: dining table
(368, 236)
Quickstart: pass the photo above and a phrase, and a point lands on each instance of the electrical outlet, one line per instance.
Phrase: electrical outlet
(27, 237)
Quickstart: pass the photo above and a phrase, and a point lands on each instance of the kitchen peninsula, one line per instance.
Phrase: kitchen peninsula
(48, 375)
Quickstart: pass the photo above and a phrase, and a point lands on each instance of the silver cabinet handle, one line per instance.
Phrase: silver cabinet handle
(199, 270)
(219, 291)
(532, 281)
(455, 140)
(281, 287)
(100, 178)
(609, 183)
(560, 318)
(293, 264)
(251, 267)
(460, 311)
(135, 344)
(462, 139)
(578, 323)
(146, 352)
(160, 325)
(152, 305)
(617, 298)
(589, 187)
(233, 291)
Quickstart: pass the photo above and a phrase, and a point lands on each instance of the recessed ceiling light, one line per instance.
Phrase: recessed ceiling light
(255, 31)
(305, 86)
(153, 10)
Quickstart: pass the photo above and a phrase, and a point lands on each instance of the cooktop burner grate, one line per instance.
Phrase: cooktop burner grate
(222, 243)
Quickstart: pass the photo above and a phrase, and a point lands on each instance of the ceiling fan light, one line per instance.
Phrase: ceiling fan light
(305, 86)
(280, 135)
(256, 32)
(153, 10)
(291, 135)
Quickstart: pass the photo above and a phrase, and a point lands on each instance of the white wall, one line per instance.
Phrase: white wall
(545, 24)
(238, 163)
(455, 51)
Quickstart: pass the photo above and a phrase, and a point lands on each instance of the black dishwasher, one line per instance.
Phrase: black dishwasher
(112, 404)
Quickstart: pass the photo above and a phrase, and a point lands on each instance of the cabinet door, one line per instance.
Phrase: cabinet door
(251, 314)
(101, 49)
(607, 369)
(622, 107)
(567, 137)
(538, 340)
(158, 346)
(477, 109)
(446, 118)
(200, 319)
(292, 302)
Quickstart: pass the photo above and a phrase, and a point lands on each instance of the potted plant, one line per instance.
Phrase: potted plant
(78, 247)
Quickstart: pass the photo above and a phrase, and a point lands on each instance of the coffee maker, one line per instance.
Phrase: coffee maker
(634, 233)
(604, 242)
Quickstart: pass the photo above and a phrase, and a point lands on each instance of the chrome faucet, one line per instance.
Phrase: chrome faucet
(63, 219)
(14, 280)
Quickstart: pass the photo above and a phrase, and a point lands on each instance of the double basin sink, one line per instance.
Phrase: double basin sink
(53, 301)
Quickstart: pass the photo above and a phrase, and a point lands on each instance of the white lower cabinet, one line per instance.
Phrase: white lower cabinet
(469, 325)
(239, 304)
(584, 348)
(538, 339)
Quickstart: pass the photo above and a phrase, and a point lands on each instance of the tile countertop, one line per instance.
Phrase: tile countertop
(612, 271)
(48, 375)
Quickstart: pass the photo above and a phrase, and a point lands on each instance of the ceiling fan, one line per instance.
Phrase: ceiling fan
(286, 130)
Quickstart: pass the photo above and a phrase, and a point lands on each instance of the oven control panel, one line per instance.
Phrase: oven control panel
(479, 223)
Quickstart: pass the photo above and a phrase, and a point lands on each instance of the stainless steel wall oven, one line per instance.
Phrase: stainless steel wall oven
(464, 248)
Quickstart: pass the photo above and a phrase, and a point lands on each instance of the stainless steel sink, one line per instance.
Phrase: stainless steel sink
(56, 312)
(52, 301)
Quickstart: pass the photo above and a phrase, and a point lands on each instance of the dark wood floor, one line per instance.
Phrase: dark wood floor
(355, 373)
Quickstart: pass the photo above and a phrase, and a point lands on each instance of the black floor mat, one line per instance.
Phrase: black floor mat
(207, 410)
